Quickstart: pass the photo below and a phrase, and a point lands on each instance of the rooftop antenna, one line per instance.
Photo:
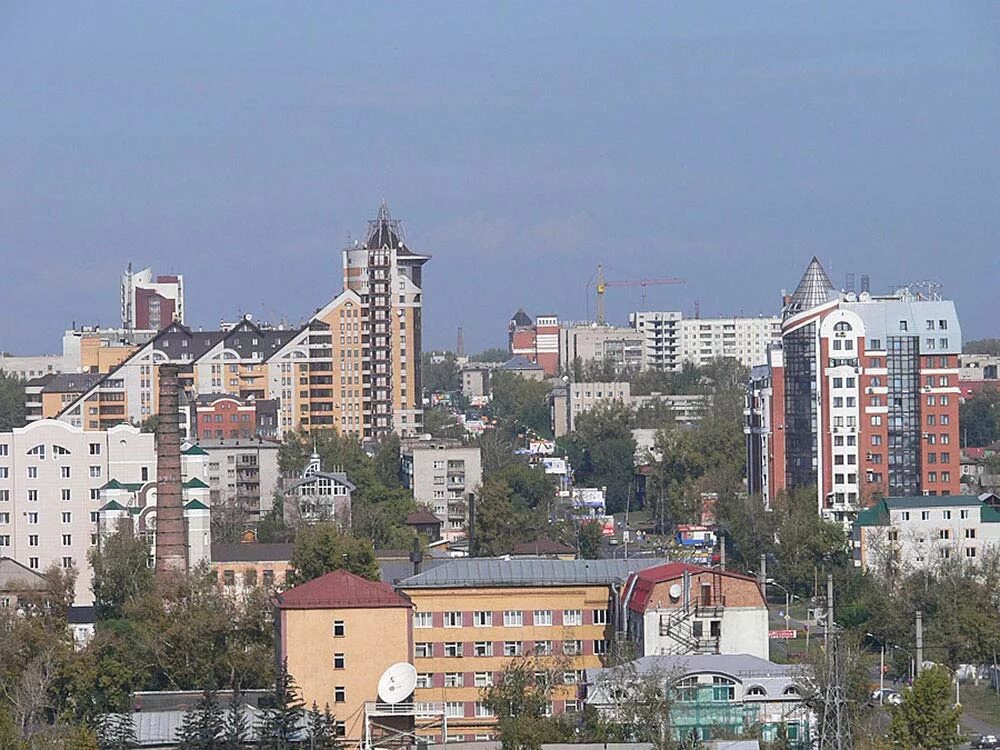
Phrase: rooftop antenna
(697, 309)
(865, 283)
(849, 282)
(460, 344)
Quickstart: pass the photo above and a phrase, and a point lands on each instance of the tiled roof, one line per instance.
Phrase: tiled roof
(472, 572)
(341, 590)
(422, 518)
(72, 382)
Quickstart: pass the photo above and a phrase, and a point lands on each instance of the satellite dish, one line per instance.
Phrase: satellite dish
(675, 591)
(397, 682)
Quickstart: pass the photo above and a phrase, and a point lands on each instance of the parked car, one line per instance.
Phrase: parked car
(986, 741)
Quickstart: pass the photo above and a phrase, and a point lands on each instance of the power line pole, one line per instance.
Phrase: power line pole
(835, 730)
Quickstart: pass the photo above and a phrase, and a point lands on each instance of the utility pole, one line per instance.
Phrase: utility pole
(920, 642)
(835, 730)
(763, 577)
(829, 609)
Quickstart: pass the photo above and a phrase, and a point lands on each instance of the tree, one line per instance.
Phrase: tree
(499, 523)
(636, 706)
(519, 698)
(121, 572)
(983, 346)
(280, 727)
(495, 354)
(322, 729)
(980, 418)
(203, 725)
(441, 423)
(12, 399)
(807, 543)
(440, 376)
(386, 460)
(602, 452)
(589, 537)
(530, 486)
(116, 732)
(496, 449)
(236, 732)
(927, 718)
(521, 402)
(321, 548)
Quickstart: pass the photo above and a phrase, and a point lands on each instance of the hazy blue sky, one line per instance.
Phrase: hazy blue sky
(520, 143)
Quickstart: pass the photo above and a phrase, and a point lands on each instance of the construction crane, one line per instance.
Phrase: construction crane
(601, 284)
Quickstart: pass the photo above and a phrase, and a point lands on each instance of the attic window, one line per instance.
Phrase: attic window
(791, 690)
(756, 692)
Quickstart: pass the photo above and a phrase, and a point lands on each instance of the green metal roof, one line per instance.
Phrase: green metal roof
(196, 505)
(112, 505)
(114, 484)
(877, 515)
(989, 514)
(195, 450)
(931, 501)
(195, 484)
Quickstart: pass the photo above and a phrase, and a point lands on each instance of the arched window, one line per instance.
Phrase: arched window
(842, 326)
(756, 691)
(791, 690)
(58, 450)
(38, 450)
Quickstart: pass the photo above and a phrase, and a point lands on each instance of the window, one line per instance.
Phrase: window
(572, 648)
(453, 619)
(755, 692)
(482, 710)
(64, 472)
(454, 709)
(66, 494)
(338, 661)
(422, 650)
(572, 617)
(32, 540)
(876, 420)
(513, 618)
(543, 617)
(963, 514)
(944, 534)
(338, 629)
(970, 533)
(229, 578)
(970, 551)
(95, 472)
(543, 648)
(947, 515)
(600, 647)
(454, 679)
(33, 563)
(424, 680)
(339, 694)
(67, 517)
(5, 540)
(423, 619)
(904, 515)
(32, 472)
(453, 649)
(512, 648)
(483, 679)
(32, 518)
(482, 619)
(482, 648)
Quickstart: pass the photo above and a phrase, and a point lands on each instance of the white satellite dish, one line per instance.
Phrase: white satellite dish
(675, 591)
(397, 682)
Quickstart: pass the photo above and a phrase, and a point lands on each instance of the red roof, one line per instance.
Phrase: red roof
(341, 590)
(642, 583)
(422, 517)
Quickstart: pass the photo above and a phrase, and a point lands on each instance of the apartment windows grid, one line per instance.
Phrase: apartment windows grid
(483, 648)
(423, 619)
(453, 649)
(572, 617)
(513, 619)
(453, 619)
(482, 619)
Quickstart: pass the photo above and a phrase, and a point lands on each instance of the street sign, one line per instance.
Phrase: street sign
(783, 634)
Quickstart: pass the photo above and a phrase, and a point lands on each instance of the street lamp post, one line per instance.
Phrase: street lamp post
(881, 668)
(900, 648)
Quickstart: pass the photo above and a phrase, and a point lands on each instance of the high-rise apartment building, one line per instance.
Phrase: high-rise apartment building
(388, 278)
(670, 340)
(150, 304)
(860, 400)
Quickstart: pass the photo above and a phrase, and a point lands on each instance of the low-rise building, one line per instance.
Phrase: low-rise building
(442, 474)
(27, 368)
(472, 617)
(243, 566)
(522, 367)
(319, 496)
(338, 633)
(712, 695)
(424, 522)
(679, 608)
(908, 533)
(18, 581)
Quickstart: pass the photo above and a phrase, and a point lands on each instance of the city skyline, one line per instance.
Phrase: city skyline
(245, 149)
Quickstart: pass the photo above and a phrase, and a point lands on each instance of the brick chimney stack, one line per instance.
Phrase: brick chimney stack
(171, 538)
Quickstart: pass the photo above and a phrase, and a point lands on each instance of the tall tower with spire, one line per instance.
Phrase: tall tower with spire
(388, 277)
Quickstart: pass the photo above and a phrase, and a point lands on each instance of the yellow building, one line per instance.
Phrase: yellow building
(339, 633)
(471, 617)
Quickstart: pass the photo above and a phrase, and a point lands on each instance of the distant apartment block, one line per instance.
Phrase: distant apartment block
(570, 400)
(669, 340)
(28, 368)
(623, 348)
(240, 473)
(537, 341)
(442, 474)
(977, 372)
(148, 303)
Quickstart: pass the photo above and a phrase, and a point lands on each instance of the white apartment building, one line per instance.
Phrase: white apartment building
(669, 340)
(569, 401)
(56, 478)
(589, 342)
(442, 474)
(909, 533)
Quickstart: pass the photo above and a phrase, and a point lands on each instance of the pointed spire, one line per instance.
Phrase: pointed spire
(384, 231)
(814, 289)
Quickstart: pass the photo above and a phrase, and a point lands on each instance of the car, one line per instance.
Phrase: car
(886, 695)
(986, 741)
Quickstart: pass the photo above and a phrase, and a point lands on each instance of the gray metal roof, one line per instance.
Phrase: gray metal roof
(491, 571)
(882, 317)
(814, 289)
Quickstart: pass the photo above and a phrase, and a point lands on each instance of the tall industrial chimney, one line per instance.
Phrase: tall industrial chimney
(171, 539)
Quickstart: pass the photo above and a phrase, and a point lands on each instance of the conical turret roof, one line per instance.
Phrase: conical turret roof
(814, 289)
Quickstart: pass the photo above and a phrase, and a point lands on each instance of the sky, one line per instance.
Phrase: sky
(520, 143)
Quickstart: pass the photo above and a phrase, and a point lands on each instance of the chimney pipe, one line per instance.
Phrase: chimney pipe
(171, 538)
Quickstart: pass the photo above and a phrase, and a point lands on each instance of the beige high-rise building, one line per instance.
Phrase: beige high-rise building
(388, 277)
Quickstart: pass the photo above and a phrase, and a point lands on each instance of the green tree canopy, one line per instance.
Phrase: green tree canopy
(122, 574)
(983, 346)
(12, 398)
(495, 354)
(519, 698)
(321, 548)
(980, 418)
(522, 402)
(927, 718)
(602, 452)
(440, 376)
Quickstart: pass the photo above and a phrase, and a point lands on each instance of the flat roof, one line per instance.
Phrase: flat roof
(502, 572)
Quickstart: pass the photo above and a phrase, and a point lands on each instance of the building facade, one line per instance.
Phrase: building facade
(687, 609)
(338, 633)
(622, 348)
(537, 341)
(911, 533)
(151, 304)
(862, 401)
(670, 340)
(240, 473)
(570, 400)
(442, 474)
(319, 496)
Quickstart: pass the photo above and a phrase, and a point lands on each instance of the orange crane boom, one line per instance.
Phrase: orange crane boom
(602, 284)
